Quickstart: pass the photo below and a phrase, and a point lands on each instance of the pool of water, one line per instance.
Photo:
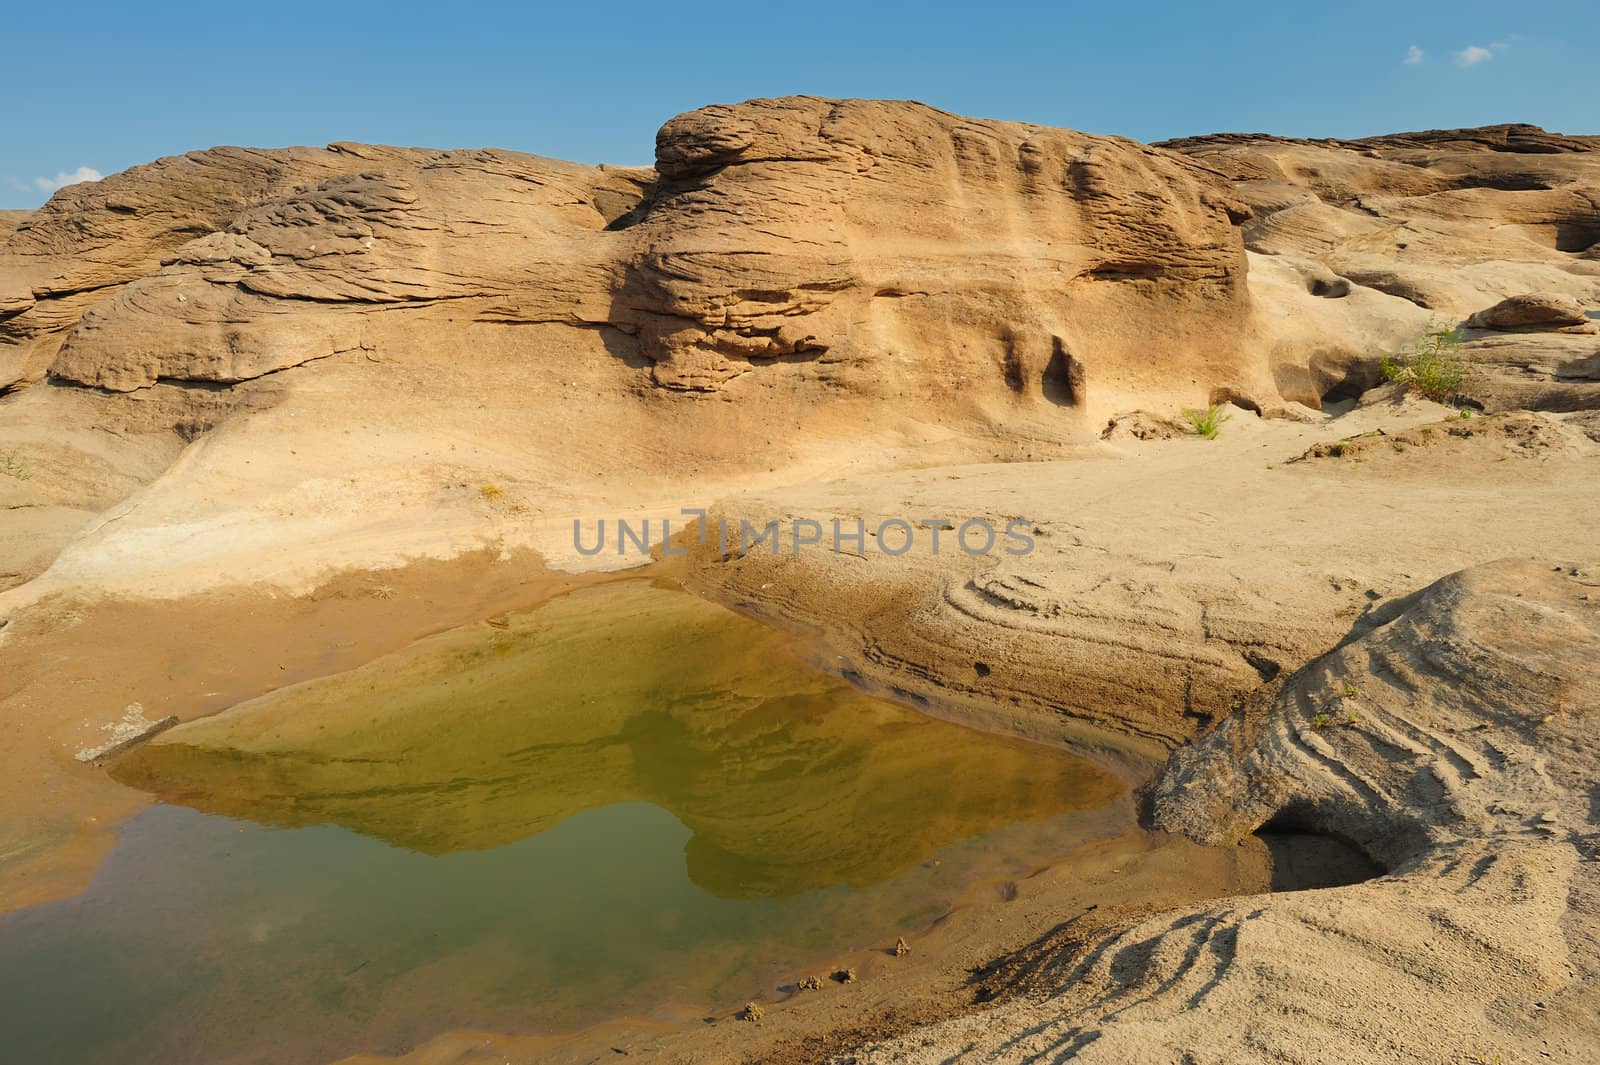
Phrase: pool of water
(628, 801)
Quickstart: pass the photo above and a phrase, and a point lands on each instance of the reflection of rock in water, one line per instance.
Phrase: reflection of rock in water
(789, 779)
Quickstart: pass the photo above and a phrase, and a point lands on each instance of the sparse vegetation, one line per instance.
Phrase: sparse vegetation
(491, 491)
(12, 465)
(1206, 423)
(1321, 721)
(1432, 368)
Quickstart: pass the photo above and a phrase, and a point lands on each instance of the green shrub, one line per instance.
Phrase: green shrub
(1206, 423)
(1431, 368)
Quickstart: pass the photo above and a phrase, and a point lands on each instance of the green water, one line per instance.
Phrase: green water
(628, 801)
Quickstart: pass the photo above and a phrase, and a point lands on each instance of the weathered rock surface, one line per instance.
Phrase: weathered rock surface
(864, 245)
(1455, 743)
(10, 220)
(1532, 311)
(281, 275)
(879, 240)
(892, 236)
(872, 279)
(1447, 222)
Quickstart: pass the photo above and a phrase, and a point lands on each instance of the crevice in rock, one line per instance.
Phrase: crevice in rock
(1063, 380)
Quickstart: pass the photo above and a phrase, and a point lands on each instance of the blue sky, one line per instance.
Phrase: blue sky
(94, 88)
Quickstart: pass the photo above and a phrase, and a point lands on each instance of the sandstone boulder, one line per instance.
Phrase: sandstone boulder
(1534, 312)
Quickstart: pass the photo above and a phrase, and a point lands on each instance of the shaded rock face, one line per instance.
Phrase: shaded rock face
(1463, 715)
(877, 240)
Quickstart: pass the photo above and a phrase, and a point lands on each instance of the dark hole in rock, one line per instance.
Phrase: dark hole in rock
(1576, 237)
(1502, 182)
(982, 668)
(1127, 270)
(1338, 288)
(1353, 381)
(1063, 381)
(1304, 858)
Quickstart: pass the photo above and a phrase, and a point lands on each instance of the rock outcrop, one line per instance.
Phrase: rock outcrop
(1391, 233)
(867, 245)
(1534, 312)
(901, 239)
(10, 220)
(883, 241)
(855, 277)
(1455, 745)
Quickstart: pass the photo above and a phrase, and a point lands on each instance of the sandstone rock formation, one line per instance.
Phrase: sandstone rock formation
(1455, 744)
(1534, 312)
(877, 279)
(10, 220)
(895, 239)
(879, 240)
(1446, 222)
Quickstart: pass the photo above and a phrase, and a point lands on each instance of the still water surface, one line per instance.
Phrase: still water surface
(626, 801)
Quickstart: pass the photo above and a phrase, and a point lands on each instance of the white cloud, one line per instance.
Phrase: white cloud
(1413, 55)
(63, 179)
(1472, 55)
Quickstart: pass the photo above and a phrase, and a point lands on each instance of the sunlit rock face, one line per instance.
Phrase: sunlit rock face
(875, 244)
(870, 248)
(1357, 246)
(788, 779)
(895, 235)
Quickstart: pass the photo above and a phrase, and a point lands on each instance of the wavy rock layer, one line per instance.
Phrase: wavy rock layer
(1455, 744)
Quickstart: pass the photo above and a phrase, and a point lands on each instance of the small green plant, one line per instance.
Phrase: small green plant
(1431, 368)
(1350, 690)
(1206, 423)
(1466, 412)
(491, 491)
(11, 465)
(1321, 721)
